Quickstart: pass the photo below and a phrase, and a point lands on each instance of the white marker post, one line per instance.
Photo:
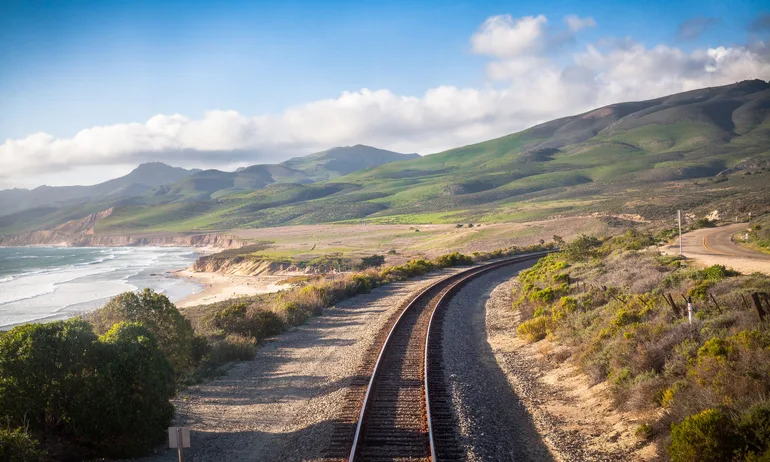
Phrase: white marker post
(689, 309)
(679, 216)
(179, 437)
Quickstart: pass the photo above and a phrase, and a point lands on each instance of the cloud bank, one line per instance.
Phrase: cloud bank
(533, 78)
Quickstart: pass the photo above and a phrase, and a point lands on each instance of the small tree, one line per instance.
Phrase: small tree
(582, 248)
(156, 312)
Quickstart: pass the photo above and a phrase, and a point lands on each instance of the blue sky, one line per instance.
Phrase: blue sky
(72, 65)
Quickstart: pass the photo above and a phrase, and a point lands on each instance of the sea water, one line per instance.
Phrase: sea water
(39, 284)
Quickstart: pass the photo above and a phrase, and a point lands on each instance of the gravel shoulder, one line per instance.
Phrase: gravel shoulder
(493, 423)
(281, 405)
(574, 418)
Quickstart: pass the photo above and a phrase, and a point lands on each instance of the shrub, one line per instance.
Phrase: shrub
(172, 331)
(232, 319)
(358, 284)
(754, 426)
(265, 324)
(371, 261)
(107, 395)
(43, 369)
(582, 248)
(453, 259)
(644, 432)
(18, 446)
(703, 223)
(633, 239)
(231, 348)
(293, 314)
(133, 409)
(707, 436)
(534, 329)
(716, 273)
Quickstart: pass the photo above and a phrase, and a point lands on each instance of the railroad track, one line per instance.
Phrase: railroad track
(398, 407)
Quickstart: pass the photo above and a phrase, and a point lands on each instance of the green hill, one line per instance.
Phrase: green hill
(645, 158)
(337, 162)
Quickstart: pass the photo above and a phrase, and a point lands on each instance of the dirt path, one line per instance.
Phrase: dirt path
(714, 246)
(280, 405)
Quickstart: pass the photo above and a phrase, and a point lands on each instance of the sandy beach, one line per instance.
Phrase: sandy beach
(218, 287)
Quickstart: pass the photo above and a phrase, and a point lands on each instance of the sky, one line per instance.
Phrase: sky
(89, 89)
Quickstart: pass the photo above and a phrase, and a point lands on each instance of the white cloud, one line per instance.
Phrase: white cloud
(506, 37)
(534, 86)
(576, 23)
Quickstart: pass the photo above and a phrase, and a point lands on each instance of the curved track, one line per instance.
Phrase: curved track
(406, 412)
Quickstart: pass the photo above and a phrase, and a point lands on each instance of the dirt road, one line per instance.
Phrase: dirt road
(714, 246)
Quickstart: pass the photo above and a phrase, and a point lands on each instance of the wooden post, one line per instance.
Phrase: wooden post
(745, 302)
(715, 303)
(758, 305)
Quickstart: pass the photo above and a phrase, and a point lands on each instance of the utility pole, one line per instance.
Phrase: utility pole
(679, 216)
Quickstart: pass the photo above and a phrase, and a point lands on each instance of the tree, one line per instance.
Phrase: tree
(582, 248)
(105, 396)
(155, 311)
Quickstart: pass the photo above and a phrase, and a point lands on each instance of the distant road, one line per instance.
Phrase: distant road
(714, 246)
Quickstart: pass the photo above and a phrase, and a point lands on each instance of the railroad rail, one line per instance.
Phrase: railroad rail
(405, 412)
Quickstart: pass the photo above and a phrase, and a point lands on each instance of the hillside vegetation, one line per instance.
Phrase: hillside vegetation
(703, 385)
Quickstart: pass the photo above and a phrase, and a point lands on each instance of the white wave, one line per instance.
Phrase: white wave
(6, 279)
(27, 294)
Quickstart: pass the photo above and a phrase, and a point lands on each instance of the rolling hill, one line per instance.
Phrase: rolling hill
(177, 190)
(644, 158)
(143, 178)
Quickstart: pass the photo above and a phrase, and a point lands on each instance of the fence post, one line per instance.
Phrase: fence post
(755, 298)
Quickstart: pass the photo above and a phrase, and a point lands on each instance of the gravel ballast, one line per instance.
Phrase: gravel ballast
(281, 405)
(493, 423)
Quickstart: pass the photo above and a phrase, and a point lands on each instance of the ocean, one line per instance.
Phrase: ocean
(39, 284)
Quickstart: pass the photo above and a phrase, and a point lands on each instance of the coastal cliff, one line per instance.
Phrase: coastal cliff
(243, 266)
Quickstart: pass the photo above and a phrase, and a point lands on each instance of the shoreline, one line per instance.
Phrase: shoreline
(217, 287)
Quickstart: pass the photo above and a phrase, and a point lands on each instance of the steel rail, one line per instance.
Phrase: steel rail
(456, 280)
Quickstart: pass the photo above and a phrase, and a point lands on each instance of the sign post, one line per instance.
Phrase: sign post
(179, 437)
(679, 216)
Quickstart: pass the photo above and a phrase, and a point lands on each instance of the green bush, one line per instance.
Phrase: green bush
(633, 239)
(716, 273)
(133, 409)
(43, 370)
(582, 248)
(703, 223)
(265, 324)
(231, 348)
(108, 396)
(453, 259)
(18, 446)
(534, 329)
(232, 319)
(172, 331)
(754, 426)
(708, 436)
(371, 261)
